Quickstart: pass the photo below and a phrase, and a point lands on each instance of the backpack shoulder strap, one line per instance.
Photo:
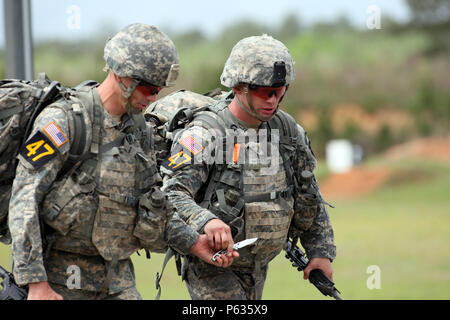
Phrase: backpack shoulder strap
(85, 121)
(289, 136)
(288, 127)
(208, 118)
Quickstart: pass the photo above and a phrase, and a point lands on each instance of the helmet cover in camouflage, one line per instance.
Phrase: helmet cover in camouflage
(143, 52)
(258, 60)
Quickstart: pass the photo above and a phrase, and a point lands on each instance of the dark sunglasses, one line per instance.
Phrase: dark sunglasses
(266, 92)
(147, 89)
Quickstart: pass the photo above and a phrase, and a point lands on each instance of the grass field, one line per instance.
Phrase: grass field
(403, 229)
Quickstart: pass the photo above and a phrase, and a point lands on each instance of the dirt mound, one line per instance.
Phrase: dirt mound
(431, 148)
(362, 180)
(354, 183)
(343, 114)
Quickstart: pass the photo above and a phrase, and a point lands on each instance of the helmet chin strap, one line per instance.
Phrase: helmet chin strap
(126, 93)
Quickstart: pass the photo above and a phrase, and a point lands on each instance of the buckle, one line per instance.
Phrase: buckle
(131, 138)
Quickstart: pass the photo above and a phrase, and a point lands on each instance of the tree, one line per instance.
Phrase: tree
(429, 12)
(432, 17)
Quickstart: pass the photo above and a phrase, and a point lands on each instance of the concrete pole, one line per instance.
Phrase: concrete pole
(18, 39)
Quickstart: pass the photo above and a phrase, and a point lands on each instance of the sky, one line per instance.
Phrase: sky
(75, 19)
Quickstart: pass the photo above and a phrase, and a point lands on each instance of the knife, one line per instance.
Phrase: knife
(236, 246)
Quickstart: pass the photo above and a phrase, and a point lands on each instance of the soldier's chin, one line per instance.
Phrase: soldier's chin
(132, 109)
(265, 117)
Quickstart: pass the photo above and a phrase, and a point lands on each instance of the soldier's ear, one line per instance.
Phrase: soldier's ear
(239, 89)
(115, 76)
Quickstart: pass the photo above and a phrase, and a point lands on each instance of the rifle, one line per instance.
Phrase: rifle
(316, 276)
(11, 291)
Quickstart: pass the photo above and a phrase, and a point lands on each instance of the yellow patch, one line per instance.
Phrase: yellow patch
(175, 161)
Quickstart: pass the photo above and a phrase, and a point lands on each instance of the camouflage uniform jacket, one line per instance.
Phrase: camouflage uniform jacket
(269, 220)
(94, 229)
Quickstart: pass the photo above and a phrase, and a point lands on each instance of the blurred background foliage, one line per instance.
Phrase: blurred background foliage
(375, 87)
(387, 90)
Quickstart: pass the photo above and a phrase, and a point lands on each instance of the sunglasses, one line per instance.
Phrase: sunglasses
(147, 88)
(267, 92)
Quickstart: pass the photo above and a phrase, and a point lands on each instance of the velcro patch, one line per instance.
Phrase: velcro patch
(192, 145)
(176, 161)
(55, 133)
(38, 150)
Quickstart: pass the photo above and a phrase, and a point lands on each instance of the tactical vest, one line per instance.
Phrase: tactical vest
(93, 207)
(251, 202)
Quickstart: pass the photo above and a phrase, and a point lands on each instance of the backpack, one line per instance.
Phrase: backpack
(174, 112)
(21, 101)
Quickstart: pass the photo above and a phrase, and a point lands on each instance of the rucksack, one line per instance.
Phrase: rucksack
(21, 101)
(174, 112)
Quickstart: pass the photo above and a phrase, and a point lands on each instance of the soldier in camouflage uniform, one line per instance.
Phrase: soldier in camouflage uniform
(242, 198)
(73, 234)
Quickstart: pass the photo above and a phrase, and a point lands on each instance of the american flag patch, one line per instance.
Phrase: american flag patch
(192, 145)
(55, 134)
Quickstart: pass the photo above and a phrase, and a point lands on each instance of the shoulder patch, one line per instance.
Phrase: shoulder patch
(177, 161)
(55, 134)
(38, 150)
(192, 145)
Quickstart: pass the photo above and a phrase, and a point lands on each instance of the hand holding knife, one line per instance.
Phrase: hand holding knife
(236, 246)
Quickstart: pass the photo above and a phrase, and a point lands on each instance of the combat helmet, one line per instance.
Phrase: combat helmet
(258, 60)
(144, 53)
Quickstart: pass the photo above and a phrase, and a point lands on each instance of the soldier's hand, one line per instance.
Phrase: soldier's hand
(203, 250)
(219, 236)
(323, 264)
(42, 291)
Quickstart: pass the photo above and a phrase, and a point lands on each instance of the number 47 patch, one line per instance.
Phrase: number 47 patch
(176, 161)
(38, 150)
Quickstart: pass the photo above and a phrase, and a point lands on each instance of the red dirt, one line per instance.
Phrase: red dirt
(354, 183)
(434, 148)
(362, 180)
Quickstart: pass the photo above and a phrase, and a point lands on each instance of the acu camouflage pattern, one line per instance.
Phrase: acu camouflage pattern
(161, 111)
(18, 99)
(13, 94)
(70, 294)
(270, 221)
(95, 229)
(252, 61)
(143, 52)
(225, 284)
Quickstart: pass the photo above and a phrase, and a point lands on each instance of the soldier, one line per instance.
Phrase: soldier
(75, 224)
(229, 196)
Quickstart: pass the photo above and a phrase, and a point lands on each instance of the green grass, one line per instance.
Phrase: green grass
(403, 228)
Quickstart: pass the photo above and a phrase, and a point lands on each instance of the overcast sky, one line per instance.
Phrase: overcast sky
(76, 19)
